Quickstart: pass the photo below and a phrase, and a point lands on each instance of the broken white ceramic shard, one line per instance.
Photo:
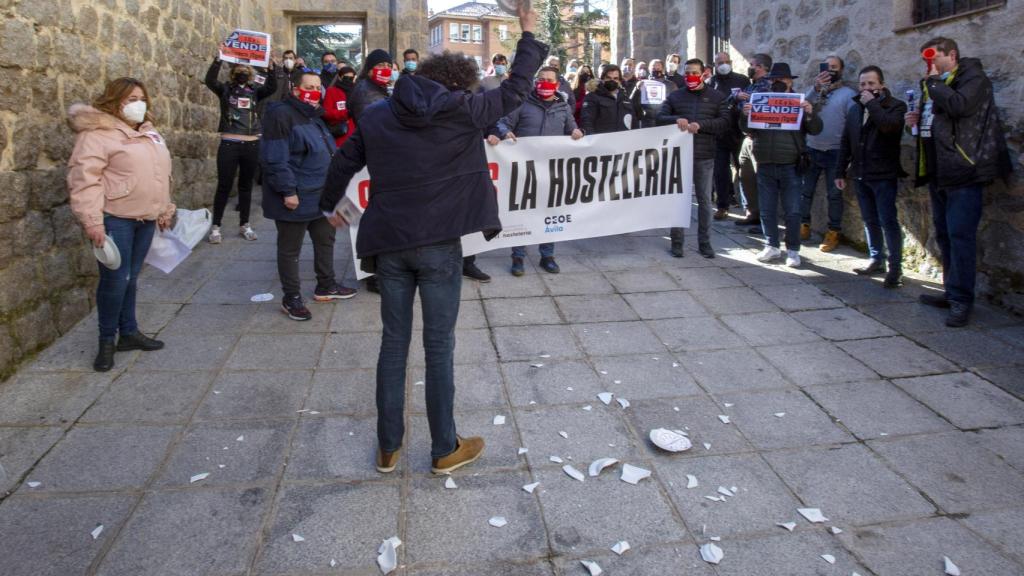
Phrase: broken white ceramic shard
(600, 464)
(532, 402)
(617, 381)
(715, 538)
(536, 365)
(634, 474)
(450, 484)
(691, 481)
(707, 446)
(221, 466)
(675, 364)
(97, 531)
(654, 358)
(545, 355)
(588, 407)
(951, 569)
(592, 567)
(555, 459)
(563, 434)
(313, 412)
(34, 484)
(623, 402)
(715, 498)
(812, 514)
(835, 530)
(198, 477)
(676, 408)
(261, 297)
(523, 451)
(499, 420)
(418, 383)
(240, 438)
(669, 440)
(828, 558)
(572, 472)
(780, 414)
(333, 563)
(620, 547)
(729, 404)
(297, 538)
(725, 491)
(216, 391)
(387, 557)
(711, 554)
(531, 487)
(604, 372)
(569, 388)
(681, 433)
(787, 525)
(497, 521)
(723, 418)
(605, 397)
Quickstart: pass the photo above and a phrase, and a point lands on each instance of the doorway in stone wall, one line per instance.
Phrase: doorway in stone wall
(345, 39)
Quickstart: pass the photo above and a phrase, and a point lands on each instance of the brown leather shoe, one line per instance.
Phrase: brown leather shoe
(721, 214)
(805, 231)
(387, 461)
(467, 450)
(831, 241)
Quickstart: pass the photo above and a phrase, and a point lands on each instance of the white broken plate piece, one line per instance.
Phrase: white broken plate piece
(450, 484)
(198, 477)
(240, 439)
(691, 481)
(261, 297)
(588, 407)
(499, 420)
(836, 530)
(715, 498)
(812, 514)
(605, 397)
(634, 474)
(497, 521)
(729, 404)
(707, 446)
(545, 356)
(531, 487)
(779, 414)
(670, 440)
(418, 383)
(951, 569)
(828, 558)
(297, 538)
(572, 472)
(556, 459)
(523, 451)
(387, 556)
(563, 434)
(97, 531)
(333, 563)
(620, 548)
(600, 464)
(34, 484)
(617, 381)
(787, 525)
(725, 491)
(723, 418)
(711, 554)
(592, 567)
(536, 365)
(622, 402)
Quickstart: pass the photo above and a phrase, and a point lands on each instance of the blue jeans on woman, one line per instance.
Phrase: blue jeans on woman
(115, 295)
(956, 213)
(437, 271)
(877, 201)
(775, 181)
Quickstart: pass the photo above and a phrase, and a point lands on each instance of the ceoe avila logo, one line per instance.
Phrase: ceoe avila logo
(556, 223)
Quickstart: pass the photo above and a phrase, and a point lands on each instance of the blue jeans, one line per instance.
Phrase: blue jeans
(955, 214)
(437, 271)
(703, 181)
(877, 201)
(115, 294)
(823, 161)
(547, 250)
(776, 181)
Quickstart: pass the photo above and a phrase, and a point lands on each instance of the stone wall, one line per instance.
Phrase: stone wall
(57, 52)
(803, 32)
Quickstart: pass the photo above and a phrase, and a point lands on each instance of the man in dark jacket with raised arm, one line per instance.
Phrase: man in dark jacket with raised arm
(410, 232)
(961, 148)
(869, 153)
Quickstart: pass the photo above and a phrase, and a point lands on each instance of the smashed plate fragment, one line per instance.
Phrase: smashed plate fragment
(198, 477)
(387, 557)
(729, 404)
(588, 407)
(691, 481)
(780, 414)
(240, 438)
(497, 521)
(600, 464)
(450, 484)
(715, 498)
(523, 451)
(605, 397)
(951, 569)
(536, 365)
(711, 554)
(723, 418)
(34, 484)
(297, 538)
(787, 525)
(99, 530)
(671, 441)
(531, 487)
(836, 530)
(545, 355)
(572, 472)
(499, 420)
(812, 514)
(623, 402)
(555, 459)
(261, 297)
(620, 547)
(617, 381)
(634, 474)
(707, 445)
(333, 563)
(828, 558)
(563, 434)
(592, 567)
(725, 491)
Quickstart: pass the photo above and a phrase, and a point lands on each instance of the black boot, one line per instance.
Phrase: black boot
(894, 278)
(676, 249)
(104, 357)
(873, 267)
(469, 270)
(138, 341)
(959, 314)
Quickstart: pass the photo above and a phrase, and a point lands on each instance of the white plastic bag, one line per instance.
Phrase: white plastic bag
(167, 251)
(193, 225)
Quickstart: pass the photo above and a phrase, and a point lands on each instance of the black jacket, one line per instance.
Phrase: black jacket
(443, 189)
(294, 157)
(238, 104)
(871, 150)
(724, 84)
(646, 115)
(970, 147)
(706, 107)
(603, 113)
(365, 93)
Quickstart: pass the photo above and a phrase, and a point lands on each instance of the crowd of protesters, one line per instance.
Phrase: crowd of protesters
(306, 132)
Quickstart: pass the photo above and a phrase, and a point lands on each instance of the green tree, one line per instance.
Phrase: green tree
(313, 40)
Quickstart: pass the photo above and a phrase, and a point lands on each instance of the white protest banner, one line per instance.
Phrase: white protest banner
(247, 47)
(775, 111)
(554, 189)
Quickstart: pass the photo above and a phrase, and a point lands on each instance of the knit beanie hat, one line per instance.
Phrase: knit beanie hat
(376, 57)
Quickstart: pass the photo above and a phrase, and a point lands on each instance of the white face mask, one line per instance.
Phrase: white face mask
(724, 69)
(672, 67)
(135, 111)
(289, 63)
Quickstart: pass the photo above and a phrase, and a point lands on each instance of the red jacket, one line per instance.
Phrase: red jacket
(336, 112)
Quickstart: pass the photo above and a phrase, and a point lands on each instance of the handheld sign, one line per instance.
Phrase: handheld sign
(247, 47)
(775, 111)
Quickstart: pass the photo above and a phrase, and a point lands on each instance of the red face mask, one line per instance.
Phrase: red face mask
(309, 96)
(380, 76)
(693, 81)
(545, 89)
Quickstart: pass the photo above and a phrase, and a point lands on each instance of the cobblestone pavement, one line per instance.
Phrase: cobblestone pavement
(840, 395)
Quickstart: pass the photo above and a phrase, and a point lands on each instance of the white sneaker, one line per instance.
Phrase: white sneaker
(792, 258)
(768, 254)
(247, 232)
(215, 237)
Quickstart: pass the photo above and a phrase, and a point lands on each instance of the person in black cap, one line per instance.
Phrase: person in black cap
(371, 84)
(778, 153)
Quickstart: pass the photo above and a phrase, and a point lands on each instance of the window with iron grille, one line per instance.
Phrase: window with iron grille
(718, 27)
(928, 10)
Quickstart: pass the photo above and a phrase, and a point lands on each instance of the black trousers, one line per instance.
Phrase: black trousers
(289, 246)
(234, 157)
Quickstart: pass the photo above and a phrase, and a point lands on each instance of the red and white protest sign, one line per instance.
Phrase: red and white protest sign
(247, 47)
(775, 111)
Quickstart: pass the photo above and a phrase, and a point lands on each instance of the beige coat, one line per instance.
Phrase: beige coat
(117, 170)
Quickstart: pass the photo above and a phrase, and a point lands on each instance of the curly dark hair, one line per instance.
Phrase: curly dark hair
(453, 70)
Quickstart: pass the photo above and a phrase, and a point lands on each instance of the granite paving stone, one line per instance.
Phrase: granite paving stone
(280, 395)
(521, 311)
(595, 308)
(1001, 528)
(159, 397)
(239, 291)
(971, 348)
(896, 357)
(551, 383)
(908, 317)
(49, 399)
(842, 324)
(645, 376)
(695, 334)
(876, 408)
(740, 300)
(270, 319)
(350, 392)
(965, 399)
(477, 387)
(732, 370)
(187, 351)
(273, 351)
(75, 351)
(641, 561)
(860, 291)
(351, 350)
(20, 448)
(256, 458)
(471, 347)
(765, 276)
(803, 424)
(697, 416)
(1009, 378)
(795, 297)
(598, 433)
(535, 568)
(334, 448)
(529, 342)
(524, 287)
(812, 364)
(194, 319)
(614, 338)
(645, 280)
(798, 553)
(362, 316)
(577, 284)
(1006, 443)
(704, 278)
(769, 328)
(657, 305)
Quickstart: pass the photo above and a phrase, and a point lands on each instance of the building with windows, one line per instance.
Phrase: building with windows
(475, 29)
